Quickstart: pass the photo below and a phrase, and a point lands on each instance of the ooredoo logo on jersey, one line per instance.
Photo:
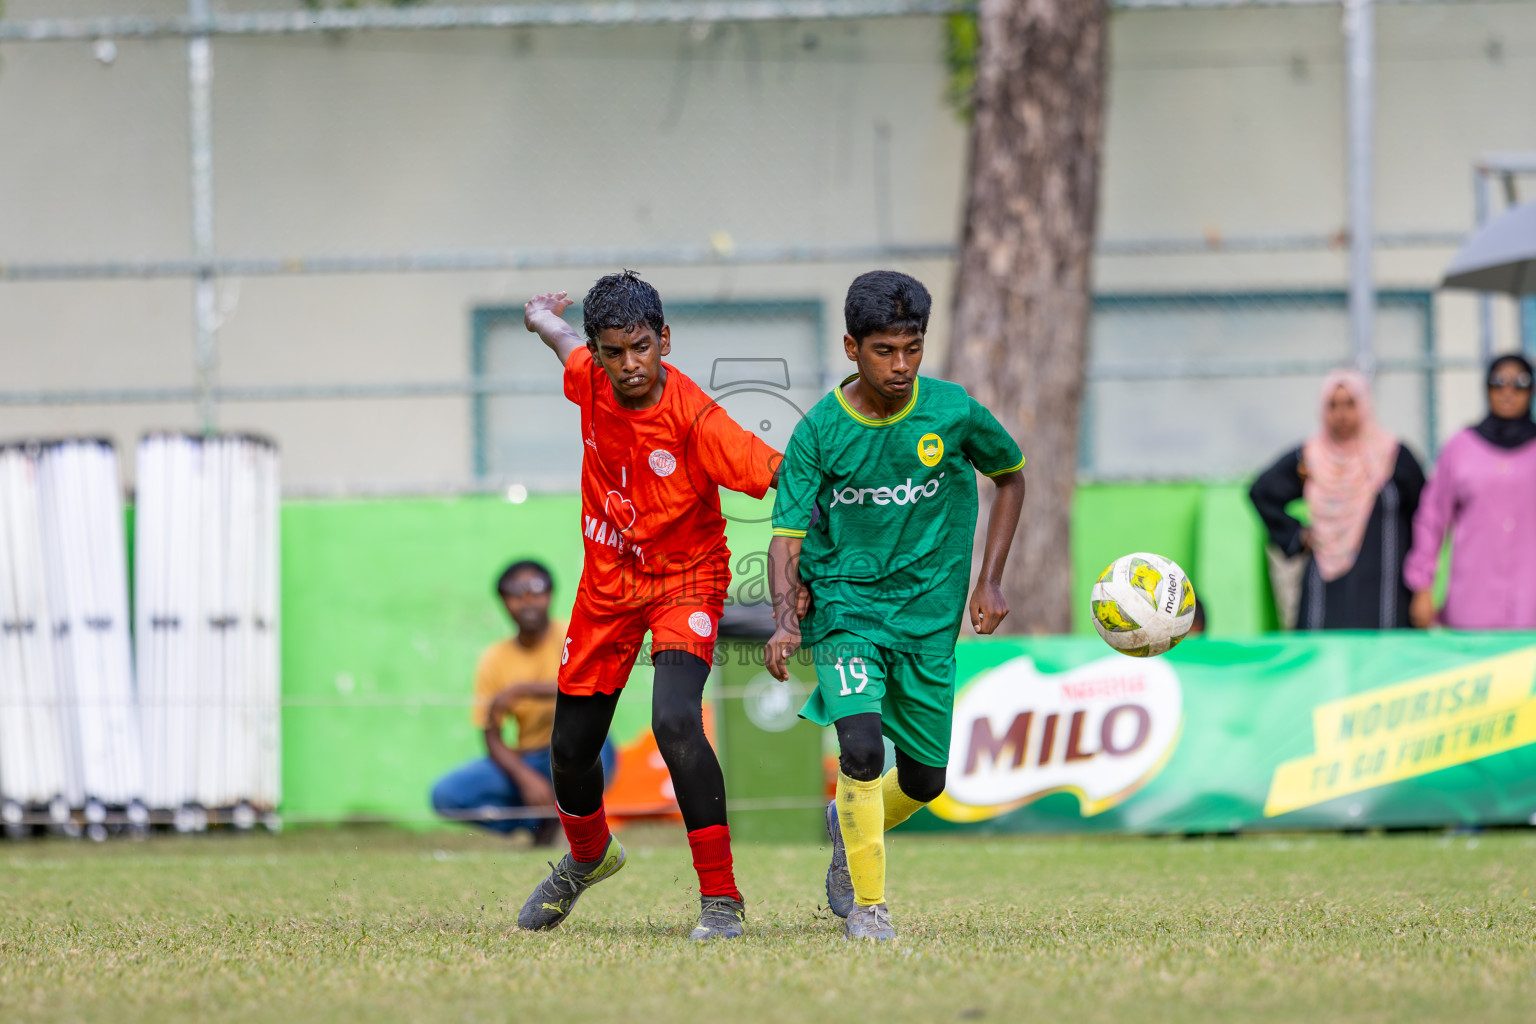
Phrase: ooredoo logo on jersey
(906, 493)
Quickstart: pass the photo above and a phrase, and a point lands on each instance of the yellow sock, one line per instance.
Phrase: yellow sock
(860, 814)
(898, 806)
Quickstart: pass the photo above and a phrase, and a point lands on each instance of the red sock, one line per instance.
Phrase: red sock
(712, 860)
(588, 836)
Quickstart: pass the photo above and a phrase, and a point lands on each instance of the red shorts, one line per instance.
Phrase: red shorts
(681, 610)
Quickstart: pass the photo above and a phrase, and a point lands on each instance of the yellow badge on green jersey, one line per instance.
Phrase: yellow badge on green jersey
(930, 449)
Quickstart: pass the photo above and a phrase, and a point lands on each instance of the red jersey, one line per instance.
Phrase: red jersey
(651, 478)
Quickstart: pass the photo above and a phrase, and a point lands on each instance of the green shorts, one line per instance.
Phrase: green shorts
(914, 694)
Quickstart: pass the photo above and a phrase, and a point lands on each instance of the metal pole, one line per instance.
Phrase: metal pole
(205, 353)
(1481, 186)
(1360, 72)
(1524, 304)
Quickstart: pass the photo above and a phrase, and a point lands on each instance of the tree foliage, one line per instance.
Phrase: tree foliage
(962, 41)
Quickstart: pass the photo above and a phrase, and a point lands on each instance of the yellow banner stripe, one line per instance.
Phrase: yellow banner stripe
(1410, 729)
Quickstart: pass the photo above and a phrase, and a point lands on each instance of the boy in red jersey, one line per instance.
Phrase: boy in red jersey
(656, 451)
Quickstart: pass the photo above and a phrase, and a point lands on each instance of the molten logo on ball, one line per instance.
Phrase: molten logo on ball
(1143, 604)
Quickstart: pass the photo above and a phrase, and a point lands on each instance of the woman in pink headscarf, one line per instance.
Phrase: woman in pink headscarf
(1361, 487)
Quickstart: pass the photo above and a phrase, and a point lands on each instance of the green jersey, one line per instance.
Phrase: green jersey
(887, 510)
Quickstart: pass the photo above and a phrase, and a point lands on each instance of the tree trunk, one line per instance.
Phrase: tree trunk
(1022, 297)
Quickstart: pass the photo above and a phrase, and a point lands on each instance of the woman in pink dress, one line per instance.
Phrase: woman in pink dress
(1483, 491)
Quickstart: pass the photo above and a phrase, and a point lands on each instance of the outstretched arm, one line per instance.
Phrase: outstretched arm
(541, 315)
(733, 456)
(789, 604)
(988, 605)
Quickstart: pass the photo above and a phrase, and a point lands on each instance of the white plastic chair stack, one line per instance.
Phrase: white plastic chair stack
(84, 557)
(206, 608)
(32, 726)
(69, 729)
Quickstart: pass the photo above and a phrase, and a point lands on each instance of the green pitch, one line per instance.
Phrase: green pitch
(380, 925)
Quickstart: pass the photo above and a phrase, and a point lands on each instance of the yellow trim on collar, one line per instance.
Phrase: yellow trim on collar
(861, 418)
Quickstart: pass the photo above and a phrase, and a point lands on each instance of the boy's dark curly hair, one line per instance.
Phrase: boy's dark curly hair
(620, 302)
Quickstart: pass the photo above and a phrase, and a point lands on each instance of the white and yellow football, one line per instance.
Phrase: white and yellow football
(1143, 604)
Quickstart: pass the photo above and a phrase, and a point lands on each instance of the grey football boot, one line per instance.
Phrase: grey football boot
(551, 902)
(720, 917)
(870, 923)
(839, 882)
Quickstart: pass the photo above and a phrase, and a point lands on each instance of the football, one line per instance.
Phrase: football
(1143, 604)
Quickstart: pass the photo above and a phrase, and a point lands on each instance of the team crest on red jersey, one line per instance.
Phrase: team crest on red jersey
(663, 462)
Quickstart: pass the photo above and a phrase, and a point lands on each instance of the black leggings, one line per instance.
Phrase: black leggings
(862, 758)
(677, 720)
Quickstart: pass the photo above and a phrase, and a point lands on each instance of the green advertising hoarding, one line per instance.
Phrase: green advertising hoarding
(1296, 731)
(388, 602)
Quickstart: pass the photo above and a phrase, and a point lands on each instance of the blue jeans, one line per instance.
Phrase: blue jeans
(481, 785)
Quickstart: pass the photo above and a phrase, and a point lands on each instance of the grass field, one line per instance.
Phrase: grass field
(384, 925)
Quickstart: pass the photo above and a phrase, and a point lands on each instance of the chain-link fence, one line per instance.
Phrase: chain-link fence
(1167, 369)
(374, 197)
(323, 236)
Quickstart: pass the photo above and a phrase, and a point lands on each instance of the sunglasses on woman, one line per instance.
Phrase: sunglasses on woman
(1521, 381)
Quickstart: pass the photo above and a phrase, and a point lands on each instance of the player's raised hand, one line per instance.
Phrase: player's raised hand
(541, 315)
(988, 607)
(545, 302)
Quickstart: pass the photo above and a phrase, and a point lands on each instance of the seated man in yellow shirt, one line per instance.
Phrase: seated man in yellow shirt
(516, 679)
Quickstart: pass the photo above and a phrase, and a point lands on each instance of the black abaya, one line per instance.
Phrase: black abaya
(1372, 594)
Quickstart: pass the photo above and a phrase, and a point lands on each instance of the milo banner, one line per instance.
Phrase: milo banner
(1297, 731)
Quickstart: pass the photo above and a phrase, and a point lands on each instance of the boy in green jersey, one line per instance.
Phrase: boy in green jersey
(870, 558)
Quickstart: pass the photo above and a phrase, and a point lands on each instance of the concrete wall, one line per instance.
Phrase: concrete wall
(1220, 123)
(1232, 122)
